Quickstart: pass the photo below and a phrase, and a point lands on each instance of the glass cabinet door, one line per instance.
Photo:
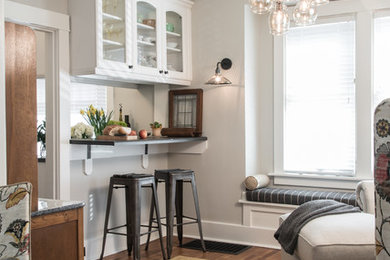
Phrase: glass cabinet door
(114, 30)
(174, 42)
(147, 37)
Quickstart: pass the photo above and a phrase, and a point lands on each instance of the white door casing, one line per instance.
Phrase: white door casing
(58, 25)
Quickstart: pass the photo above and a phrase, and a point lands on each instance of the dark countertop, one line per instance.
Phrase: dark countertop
(149, 140)
(48, 206)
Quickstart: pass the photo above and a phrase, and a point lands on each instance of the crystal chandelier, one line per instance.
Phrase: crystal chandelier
(304, 13)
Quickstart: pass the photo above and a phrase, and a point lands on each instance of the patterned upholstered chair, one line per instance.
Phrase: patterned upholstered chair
(382, 178)
(15, 214)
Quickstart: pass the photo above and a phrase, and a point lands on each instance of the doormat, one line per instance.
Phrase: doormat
(218, 247)
(182, 257)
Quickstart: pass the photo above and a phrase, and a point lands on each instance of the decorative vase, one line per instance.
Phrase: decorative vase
(156, 131)
(97, 132)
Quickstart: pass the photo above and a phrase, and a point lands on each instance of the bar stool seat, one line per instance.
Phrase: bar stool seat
(132, 176)
(133, 183)
(174, 179)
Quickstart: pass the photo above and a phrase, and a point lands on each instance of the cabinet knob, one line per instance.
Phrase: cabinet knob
(161, 71)
(166, 72)
(131, 66)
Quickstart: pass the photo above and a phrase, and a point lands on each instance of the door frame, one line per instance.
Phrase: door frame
(3, 134)
(58, 25)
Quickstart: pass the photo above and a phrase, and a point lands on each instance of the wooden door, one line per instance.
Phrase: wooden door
(21, 106)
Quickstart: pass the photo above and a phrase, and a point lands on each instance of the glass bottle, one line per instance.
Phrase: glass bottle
(127, 120)
(120, 113)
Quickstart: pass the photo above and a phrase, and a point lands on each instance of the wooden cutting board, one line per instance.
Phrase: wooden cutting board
(117, 138)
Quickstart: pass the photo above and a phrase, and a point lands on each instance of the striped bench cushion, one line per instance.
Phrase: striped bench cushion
(298, 197)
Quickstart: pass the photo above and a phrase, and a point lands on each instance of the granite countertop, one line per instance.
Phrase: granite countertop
(48, 206)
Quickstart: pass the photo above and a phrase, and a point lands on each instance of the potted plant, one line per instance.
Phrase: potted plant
(98, 119)
(156, 128)
(41, 137)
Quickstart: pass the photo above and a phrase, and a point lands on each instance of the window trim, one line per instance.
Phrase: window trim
(364, 95)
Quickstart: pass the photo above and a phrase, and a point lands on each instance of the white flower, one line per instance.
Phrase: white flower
(81, 130)
(89, 131)
(78, 134)
(81, 127)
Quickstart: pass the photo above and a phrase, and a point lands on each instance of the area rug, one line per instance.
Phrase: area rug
(181, 257)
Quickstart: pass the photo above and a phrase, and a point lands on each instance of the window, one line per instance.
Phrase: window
(381, 59)
(41, 112)
(83, 95)
(319, 99)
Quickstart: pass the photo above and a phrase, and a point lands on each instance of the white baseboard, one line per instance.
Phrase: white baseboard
(234, 233)
(260, 221)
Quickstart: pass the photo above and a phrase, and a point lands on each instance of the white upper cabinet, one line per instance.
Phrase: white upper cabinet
(139, 41)
(113, 42)
(147, 32)
(177, 43)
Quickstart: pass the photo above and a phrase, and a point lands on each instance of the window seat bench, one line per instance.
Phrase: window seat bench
(298, 197)
(261, 208)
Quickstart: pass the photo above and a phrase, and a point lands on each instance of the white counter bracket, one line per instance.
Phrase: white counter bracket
(145, 157)
(87, 163)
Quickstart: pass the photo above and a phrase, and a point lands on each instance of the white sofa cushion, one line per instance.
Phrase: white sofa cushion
(337, 237)
(365, 192)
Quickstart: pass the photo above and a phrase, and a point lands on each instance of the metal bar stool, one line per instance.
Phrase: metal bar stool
(174, 180)
(132, 183)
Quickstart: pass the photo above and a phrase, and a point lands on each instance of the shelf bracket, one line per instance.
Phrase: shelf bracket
(145, 157)
(88, 162)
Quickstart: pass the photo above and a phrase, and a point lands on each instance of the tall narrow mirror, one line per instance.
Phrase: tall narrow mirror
(45, 116)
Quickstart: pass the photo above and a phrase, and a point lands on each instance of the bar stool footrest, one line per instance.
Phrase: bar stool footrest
(182, 224)
(108, 229)
(116, 233)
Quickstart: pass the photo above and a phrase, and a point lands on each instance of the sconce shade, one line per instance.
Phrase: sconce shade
(218, 79)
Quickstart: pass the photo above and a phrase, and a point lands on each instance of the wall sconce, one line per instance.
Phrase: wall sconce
(218, 79)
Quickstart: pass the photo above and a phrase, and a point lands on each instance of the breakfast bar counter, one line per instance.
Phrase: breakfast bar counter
(89, 149)
(149, 140)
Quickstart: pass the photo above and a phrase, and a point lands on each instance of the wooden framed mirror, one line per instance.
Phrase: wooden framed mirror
(186, 110)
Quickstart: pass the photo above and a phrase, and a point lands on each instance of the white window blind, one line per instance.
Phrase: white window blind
(319, 119)
(381, 59)
(83, 95)
(41, 100)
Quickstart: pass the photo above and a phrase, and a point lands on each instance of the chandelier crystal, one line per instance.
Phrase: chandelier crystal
(261, 6)
(304, 12)
(279, 21)
(320, 2)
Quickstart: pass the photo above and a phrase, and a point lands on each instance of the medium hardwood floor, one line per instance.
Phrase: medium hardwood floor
(154, 253)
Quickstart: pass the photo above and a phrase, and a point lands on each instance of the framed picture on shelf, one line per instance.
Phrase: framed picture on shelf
(185, 111)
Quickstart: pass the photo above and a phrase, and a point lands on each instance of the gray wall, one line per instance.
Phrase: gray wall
(218, 32)
(237, 119)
